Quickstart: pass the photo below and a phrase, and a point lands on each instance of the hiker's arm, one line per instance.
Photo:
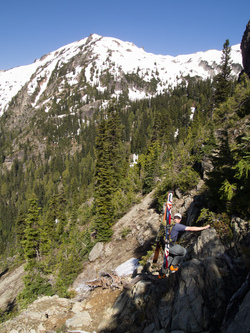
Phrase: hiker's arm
(197, 228)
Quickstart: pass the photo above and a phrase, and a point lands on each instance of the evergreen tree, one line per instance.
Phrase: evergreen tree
(222, 173)
(235, 183)
(151, 166)
(31, 241)
(223, 80)
(20, 227)
(242, 174)
(108, 171)
(48, 233)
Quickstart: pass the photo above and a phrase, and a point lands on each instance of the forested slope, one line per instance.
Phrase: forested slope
(66, 186)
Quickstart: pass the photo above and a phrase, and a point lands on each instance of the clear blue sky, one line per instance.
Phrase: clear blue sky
(30, 29)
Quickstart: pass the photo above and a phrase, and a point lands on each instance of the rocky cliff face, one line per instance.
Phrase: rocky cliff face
(209, 293)
(245, 49)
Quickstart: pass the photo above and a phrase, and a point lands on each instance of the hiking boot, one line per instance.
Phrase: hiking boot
(161, 276)
(173, 269)
(162, 273)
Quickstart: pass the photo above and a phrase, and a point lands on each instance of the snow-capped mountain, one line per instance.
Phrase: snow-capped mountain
(96, 65)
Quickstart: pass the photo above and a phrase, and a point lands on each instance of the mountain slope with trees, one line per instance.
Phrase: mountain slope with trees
(64, 188)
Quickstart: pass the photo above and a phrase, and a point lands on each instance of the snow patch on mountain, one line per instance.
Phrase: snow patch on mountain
(113, 56)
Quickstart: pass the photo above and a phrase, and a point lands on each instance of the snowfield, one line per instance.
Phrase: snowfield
(105, 52)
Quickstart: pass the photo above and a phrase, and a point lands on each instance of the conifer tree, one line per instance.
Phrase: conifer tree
(31, 241)
(223, 80)
(61, 216)
(19, 230)
(151, 166)
(108, 171)
(48, 234)
(222, 173)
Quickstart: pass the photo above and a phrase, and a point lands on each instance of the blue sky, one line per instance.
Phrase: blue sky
(30, 29)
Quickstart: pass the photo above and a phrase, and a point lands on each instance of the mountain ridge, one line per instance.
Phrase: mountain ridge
(96, 59)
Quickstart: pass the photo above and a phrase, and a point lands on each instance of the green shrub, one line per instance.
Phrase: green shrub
(34, 285)
(220, 222)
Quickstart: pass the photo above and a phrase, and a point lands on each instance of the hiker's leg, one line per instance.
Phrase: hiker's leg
(178, 252)
(170, 260)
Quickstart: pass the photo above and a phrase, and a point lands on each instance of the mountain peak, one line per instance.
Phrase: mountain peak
(106, 62)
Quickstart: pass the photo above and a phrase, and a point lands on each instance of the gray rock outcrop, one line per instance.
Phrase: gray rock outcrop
(11, 284)
(245, 49)
(96, 252)
(193, 300)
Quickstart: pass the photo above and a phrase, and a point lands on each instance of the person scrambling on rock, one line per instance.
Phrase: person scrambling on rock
(176, 251)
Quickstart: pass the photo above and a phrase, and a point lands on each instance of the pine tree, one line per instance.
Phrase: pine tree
(239, 188)
(151, 166)
(222, 174)
(19, 230)
(223, 80)
(31, 241)
(48, 234)
(61, 217)
(108, 171)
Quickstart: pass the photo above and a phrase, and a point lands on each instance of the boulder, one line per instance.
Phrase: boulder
(79, 320)
(96, 252)
(208, 245)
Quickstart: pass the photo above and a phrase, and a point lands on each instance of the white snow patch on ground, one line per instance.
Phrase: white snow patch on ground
(128, 267)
